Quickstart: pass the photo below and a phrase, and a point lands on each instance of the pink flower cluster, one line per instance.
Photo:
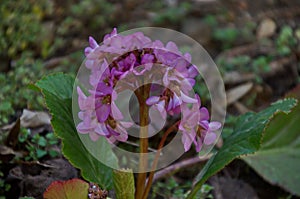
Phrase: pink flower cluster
(119, 57)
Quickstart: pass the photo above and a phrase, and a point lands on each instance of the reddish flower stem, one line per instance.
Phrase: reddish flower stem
(143, 94)
(161, 144)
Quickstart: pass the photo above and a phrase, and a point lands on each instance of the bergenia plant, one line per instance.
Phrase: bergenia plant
(125, 57)
(161, 80)
(141, 65)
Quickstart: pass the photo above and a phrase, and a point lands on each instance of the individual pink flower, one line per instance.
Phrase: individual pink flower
(188, 126)
(196, 128)
(92, 121)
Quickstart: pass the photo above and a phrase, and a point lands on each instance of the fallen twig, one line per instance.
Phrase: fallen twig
(175, 167)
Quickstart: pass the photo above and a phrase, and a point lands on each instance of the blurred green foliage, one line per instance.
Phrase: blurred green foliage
(286, 41)
(245, 63)
(228, 36)
(172, 14)
(172, 189)
(94, 14)
(4, 187)
(14, 93)
(38, 146)
(20, 24)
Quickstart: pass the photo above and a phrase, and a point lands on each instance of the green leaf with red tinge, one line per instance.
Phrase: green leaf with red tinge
(70, 189)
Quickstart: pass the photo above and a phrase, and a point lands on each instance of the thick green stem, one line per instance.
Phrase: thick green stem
(143, 94)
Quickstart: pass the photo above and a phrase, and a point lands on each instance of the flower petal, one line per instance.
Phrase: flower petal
(213, 126)
(102, 112)
(123, 136)
(93, 42)
(115, 112)
(83, 128)
(165, 79)
(82, 100)
(94, 136)
(204, 114)
(87, 51)
(187, 140)
(126, 124)
(152, 100)
(198, 143)
(187, 99)
(101, 129)
(210, 138)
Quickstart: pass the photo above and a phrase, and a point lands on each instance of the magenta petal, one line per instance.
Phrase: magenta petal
(193, 118)
(103, 112)
(161, 109)
(213, 126)
(170, 104)
(147, 58)
(123, 134)
(180, 127)
(161, 106)
(187, 99)
(198, 99)
(103, 89)
(115, 112)
(186, 143)
(87, 51)
(81, 115)
(101, 129)
(188, 139)
(152, 100)
(188, 57)
(204, 124)
(165, 79)
(180, 66)
(82, 99)
(89, 63)
(191, 81)
(210, 138)
(176, 101)
(93, 42)
(175, 111)
(172, 47)
(139, 72)
(126, 124)
(122, 137)
(204, 114)
(94, 136)
(113, 132)
(185, 112)
(198, 143)
(148, 66)
(105, 130)
(111, 140)
(193, 71)
(113, 33)
(83, 128)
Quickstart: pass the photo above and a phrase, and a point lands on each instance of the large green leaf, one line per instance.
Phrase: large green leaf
(57, 90)
(245, 139)
(278, 159)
